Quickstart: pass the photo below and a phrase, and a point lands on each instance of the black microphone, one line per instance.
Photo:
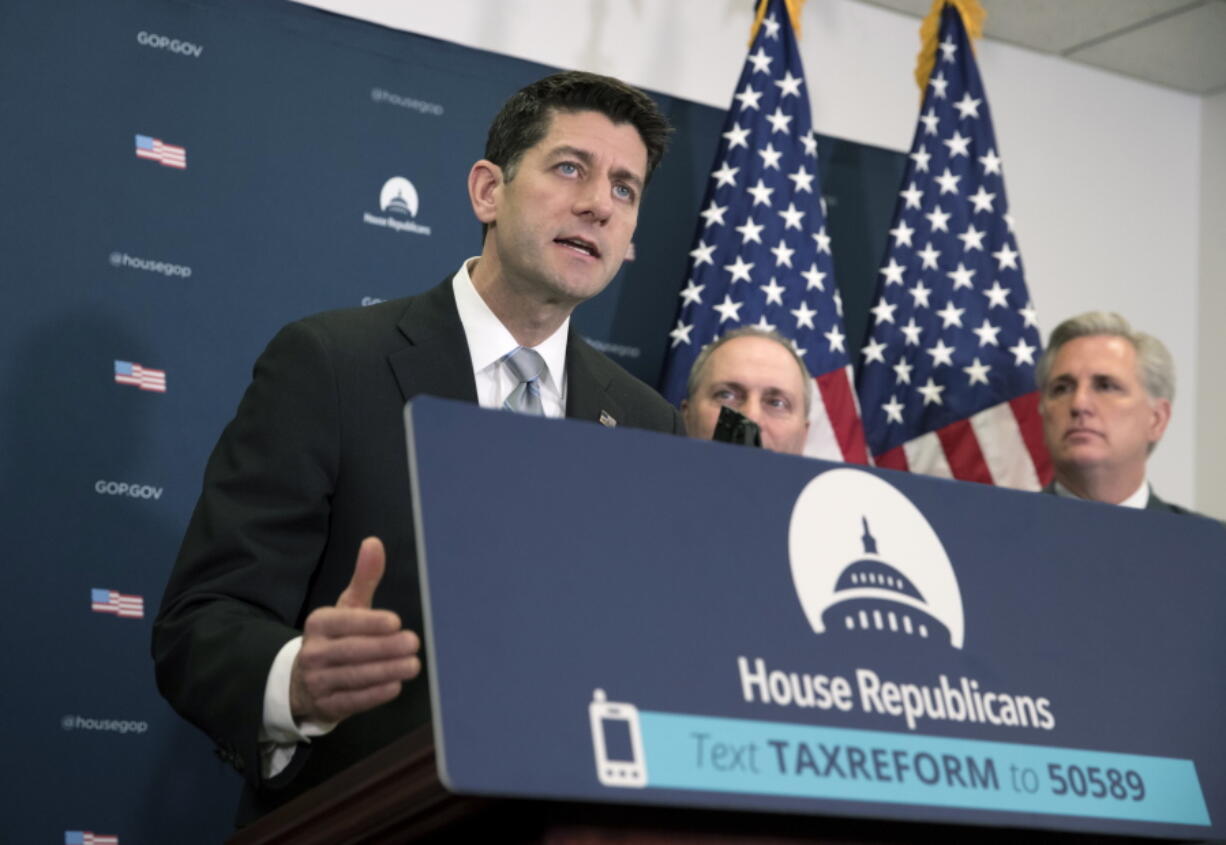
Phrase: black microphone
(735, 427)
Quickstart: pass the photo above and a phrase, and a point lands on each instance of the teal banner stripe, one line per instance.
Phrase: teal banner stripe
(779, 758)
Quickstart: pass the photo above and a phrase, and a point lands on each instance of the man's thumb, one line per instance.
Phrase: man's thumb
(367, 573)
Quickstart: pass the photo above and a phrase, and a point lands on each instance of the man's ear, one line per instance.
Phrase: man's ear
(1160, 415)
(484, 180)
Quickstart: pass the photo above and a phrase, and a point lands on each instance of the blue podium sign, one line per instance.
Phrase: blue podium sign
(630, 617)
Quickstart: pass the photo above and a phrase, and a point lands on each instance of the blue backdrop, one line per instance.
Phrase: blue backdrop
(291, 122)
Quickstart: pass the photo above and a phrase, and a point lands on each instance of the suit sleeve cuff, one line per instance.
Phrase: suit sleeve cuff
(280, 733)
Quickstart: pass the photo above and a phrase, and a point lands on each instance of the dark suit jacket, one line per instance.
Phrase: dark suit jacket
(1154, 504)
(314, 461)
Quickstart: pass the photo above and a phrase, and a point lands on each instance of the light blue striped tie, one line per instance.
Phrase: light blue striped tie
(526, 365)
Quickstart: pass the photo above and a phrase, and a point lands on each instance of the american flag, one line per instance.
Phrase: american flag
(761, 254)
(85, 837)
(145, 378)
(167, 154)
(946, 380)
(109, 601)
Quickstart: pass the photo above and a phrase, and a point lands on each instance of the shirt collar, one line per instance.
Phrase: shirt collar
(489, 340)
(1139, 499)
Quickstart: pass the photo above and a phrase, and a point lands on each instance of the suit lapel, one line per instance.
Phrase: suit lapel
(436, 361)
(587, 389)
(1156, 504)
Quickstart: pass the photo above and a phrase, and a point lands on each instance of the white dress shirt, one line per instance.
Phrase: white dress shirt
(489, 342)
(1139, 499)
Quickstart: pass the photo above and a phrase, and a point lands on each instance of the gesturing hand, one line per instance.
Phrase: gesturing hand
(353, 658)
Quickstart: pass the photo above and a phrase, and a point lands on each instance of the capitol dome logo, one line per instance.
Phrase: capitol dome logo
(866, 563)
(398, 197)
(398, 202)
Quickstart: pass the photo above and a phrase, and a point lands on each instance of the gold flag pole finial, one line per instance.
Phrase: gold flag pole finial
(793, 7)
(973, 16)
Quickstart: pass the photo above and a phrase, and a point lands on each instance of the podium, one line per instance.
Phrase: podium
(793, 652)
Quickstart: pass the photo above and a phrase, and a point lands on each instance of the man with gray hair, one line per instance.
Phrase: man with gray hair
(1105, 398)
(757, 372)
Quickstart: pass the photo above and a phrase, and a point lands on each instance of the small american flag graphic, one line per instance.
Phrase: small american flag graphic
(86, 837)
(145, 378)
(110, 601)
(167, 155)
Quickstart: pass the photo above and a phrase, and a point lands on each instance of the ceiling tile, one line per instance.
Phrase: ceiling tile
(1054, 26)
(1185, 51)
(1178, 43)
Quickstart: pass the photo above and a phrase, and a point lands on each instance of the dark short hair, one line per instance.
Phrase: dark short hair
(524, 119)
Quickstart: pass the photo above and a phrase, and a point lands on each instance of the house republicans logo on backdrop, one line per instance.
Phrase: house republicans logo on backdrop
(399, 202)
(865, 562)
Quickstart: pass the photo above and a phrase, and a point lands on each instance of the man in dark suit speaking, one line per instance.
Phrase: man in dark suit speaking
(1105, 398)
(267, 638)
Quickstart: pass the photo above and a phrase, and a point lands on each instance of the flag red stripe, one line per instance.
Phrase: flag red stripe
(844, 418)
(895, 458)
(1026, 410)
(963, 453)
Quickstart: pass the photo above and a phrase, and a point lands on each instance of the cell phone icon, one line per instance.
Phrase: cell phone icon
(618, 742)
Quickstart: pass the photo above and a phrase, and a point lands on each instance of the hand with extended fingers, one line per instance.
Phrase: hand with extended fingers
(353, 658)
